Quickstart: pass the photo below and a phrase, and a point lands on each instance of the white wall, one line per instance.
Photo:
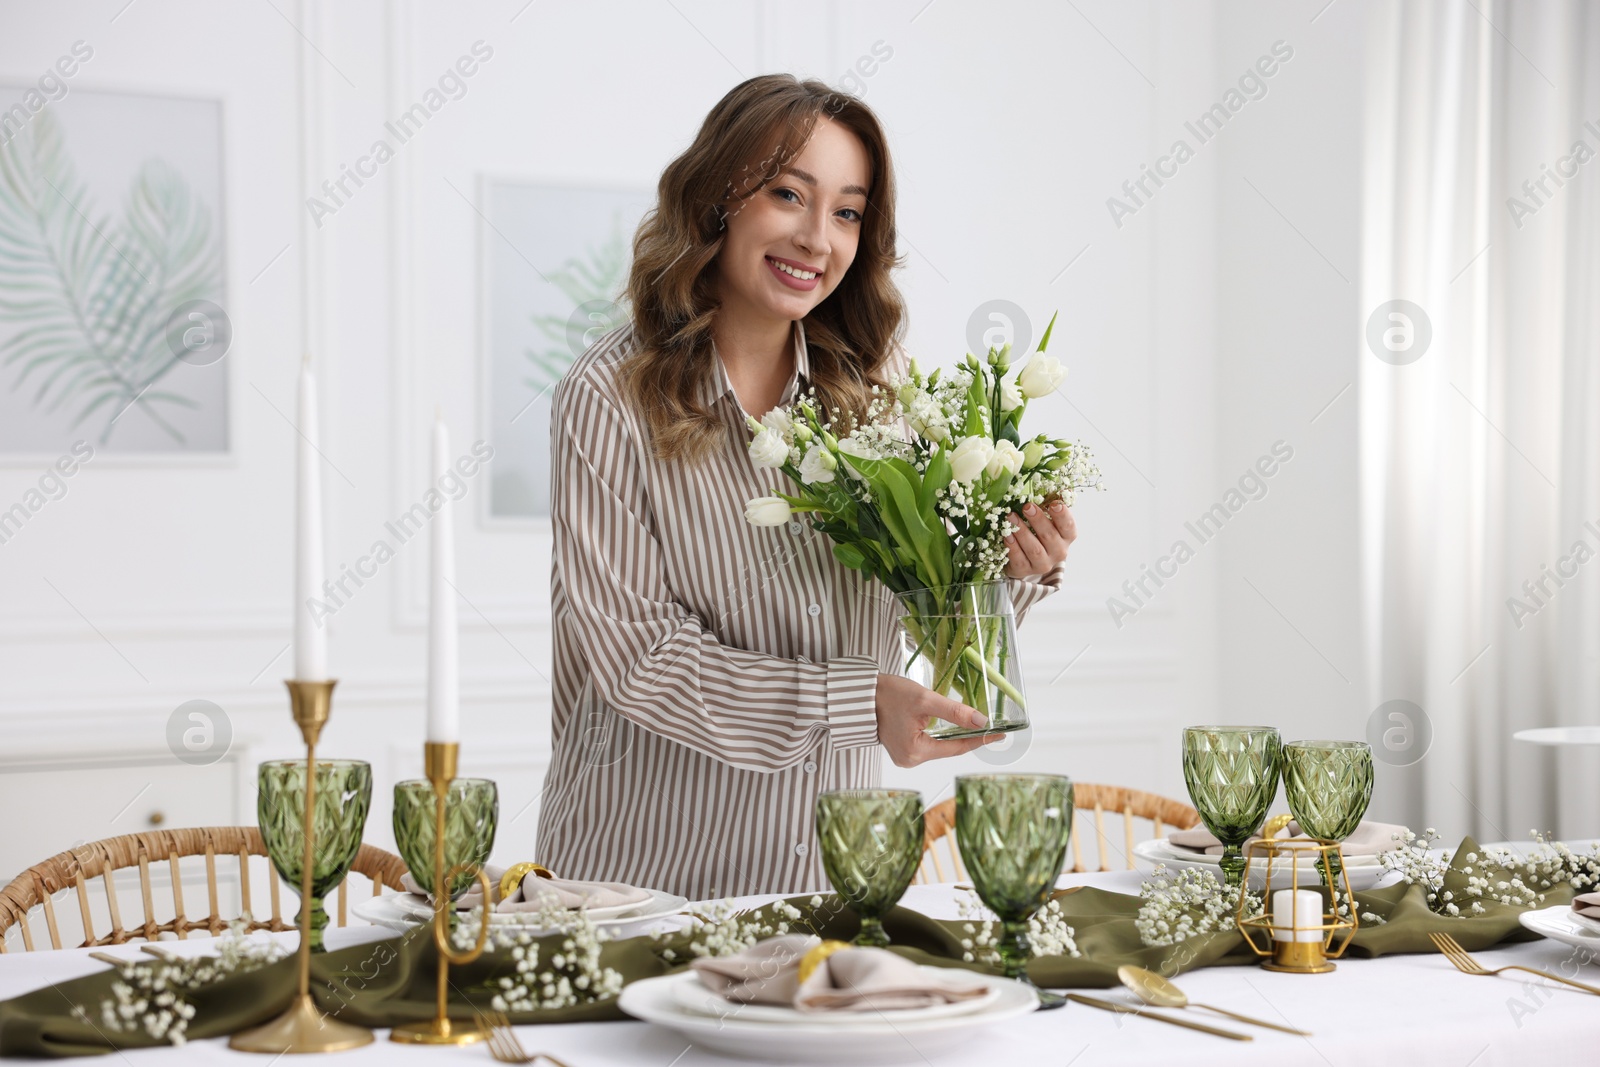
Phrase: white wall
(1198, 332)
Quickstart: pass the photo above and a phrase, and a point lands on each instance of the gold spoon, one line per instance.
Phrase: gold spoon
(1156, 991)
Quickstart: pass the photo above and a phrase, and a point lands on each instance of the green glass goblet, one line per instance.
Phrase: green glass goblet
(471, 812)
(871, 842)
(1232, 774)
(339, 806)
(1328, 785)
(1013, 831)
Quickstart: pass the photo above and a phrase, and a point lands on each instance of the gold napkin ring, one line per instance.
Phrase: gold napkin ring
(511, 881)
(813, 959)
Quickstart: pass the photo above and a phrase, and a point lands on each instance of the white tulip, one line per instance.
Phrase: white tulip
(854, 446)
(768, 450)
(970, 458)
(1010, 396)
(767, 511)
(777, 420)
(817, 466)
(1041, 376)
(1005, 461)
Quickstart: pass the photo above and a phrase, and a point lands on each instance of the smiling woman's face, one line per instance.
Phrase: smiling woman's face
(808, 219)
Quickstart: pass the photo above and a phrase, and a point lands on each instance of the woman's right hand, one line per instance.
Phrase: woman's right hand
(904, 708)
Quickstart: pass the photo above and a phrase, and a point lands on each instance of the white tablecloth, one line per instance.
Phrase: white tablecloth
(1405, 1010)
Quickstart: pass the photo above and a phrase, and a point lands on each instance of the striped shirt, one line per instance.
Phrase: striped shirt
(710, 677)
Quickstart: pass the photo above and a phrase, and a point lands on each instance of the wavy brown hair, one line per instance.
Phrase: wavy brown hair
(758, 128)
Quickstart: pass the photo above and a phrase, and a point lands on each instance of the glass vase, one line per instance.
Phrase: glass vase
(961, 642)
(338, 819)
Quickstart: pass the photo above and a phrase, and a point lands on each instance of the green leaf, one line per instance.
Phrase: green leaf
(850, 556)
(934, 478)
(1046, 338)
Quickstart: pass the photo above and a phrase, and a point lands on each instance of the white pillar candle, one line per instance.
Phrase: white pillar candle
(310, 635)
(1296, 907)
(444, 709)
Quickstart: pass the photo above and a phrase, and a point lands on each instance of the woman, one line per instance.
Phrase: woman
(712, 677)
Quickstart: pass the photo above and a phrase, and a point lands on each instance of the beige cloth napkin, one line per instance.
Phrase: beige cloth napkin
(1369, 839)
(536, 892)
(1587, 905)
(852, 979)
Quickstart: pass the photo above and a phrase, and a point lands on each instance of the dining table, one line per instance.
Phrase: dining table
(1404, 1009)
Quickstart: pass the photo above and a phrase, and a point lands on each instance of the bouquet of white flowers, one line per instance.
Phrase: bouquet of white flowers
(917, 495)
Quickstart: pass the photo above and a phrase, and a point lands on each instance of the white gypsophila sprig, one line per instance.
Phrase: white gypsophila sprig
(1048, 932)
(722, 929)
(1187, 905)
(153, 996)
(1502, 877)
(571, 975)
(1416, 864)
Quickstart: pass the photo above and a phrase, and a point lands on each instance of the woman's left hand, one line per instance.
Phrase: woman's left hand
(1039, 539)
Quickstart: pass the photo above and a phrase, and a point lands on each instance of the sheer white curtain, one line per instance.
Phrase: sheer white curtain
(1480, 459)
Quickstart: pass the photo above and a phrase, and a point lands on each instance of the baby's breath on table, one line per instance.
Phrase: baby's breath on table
(568, 976)
(1048, 932)
(1187, 905)
(153, 995)
(723, 929)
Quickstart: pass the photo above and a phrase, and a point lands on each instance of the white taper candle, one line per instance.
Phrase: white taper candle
(310, 635)
(444, 708)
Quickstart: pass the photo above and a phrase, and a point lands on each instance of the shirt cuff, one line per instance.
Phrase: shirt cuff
(853, 701)
(1026, 592)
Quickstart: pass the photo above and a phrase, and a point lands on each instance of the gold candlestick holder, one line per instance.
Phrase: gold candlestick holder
(1287, 948)
(439, 761)
(304, 1027)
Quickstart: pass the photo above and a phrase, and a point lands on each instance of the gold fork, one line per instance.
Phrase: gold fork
(503, 1043)
(1463, 962)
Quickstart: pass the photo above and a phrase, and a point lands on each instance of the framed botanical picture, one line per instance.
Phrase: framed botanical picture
(555, 269)
(112, 329)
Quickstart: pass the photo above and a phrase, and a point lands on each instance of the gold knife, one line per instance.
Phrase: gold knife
(1123, 1009)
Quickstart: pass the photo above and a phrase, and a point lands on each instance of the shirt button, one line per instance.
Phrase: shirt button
(809, 766)
(814, 610)
(801, 849)
(794, 526)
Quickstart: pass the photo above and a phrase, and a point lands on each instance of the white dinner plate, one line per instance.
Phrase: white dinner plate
(400, 911)
(1559, 924)
(695, 997)
(1364, 871)
(823, 1040)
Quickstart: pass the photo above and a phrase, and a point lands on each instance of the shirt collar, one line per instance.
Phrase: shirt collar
(714, 386)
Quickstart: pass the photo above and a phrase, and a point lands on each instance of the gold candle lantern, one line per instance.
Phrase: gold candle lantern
(304, 1027)
(1304, 944)
(439, 760)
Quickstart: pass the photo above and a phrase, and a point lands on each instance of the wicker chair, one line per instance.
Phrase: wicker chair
(77, 867)
(939, 839)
